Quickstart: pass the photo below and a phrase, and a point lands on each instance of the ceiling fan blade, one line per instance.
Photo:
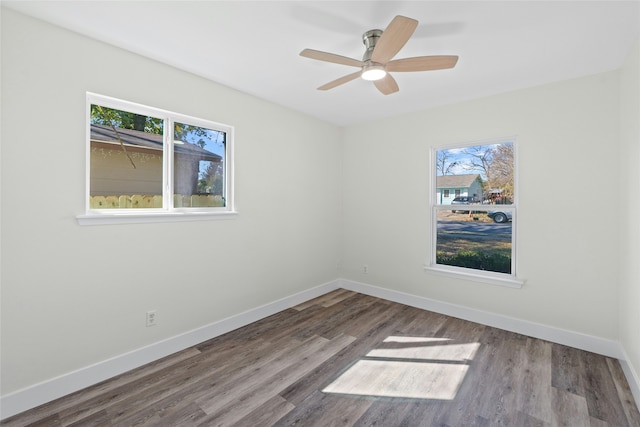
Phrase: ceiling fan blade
(331, 57)
(340, 81)
(422, 63)
(387, 85)
(393, 38)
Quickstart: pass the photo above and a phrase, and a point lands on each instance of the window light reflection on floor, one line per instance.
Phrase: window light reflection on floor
(408, 367)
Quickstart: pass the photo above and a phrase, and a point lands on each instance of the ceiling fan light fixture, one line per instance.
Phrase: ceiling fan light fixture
(373, 72)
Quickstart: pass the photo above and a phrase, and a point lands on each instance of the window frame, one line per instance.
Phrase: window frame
(168, 213)
(495, 278)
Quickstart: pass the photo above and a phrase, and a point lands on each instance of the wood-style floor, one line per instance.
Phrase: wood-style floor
(353, 360)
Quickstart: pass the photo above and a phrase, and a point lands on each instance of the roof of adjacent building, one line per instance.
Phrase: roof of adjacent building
(457, 181)
(104, 133)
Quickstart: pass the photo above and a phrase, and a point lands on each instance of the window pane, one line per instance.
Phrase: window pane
(479, 239)
(479, 173)
(126, 159)
(199, 155)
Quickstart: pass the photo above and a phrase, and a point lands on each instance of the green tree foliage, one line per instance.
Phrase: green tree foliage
(125, 120)
(211, 179)
(191, 134)
(120, 119)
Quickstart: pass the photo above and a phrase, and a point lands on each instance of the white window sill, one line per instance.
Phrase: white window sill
(479, 276)
(151, 217)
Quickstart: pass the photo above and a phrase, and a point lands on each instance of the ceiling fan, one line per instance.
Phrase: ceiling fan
(377, 62)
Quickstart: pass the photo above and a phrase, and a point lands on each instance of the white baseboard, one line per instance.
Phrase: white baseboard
(55, 388)
(632, 377)
(561, 336)
(47, 391)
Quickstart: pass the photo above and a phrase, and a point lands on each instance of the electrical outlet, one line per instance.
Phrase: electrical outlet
(151, 318)
(365, 269)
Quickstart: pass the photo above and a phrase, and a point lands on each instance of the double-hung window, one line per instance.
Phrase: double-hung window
(473, 233)
(145, 164)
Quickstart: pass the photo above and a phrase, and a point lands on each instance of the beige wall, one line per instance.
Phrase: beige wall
(629, 226)
(568, 255)
(73, 295)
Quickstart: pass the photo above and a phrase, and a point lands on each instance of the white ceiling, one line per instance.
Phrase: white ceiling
(254, 46)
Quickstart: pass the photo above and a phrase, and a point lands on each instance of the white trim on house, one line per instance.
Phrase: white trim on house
(46, 391)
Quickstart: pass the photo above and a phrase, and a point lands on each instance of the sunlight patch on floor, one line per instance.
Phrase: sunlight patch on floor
(408, 367)
(383, 378)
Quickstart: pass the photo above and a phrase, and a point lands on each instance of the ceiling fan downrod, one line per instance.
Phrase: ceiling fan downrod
(370, 38)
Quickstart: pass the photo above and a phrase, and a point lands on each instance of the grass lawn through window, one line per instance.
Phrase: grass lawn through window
(477, 245)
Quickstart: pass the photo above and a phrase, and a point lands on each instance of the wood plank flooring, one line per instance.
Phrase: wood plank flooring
(347, 359)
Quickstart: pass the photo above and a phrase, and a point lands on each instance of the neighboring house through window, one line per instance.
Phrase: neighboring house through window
(460, 185)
